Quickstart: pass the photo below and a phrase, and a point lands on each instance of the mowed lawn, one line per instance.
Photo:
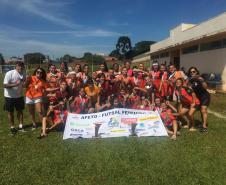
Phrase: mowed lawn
(193, 159)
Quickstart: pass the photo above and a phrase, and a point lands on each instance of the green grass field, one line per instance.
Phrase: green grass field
(193, 159)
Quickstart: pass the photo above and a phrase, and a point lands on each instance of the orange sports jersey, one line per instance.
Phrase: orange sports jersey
(93, 94)
(36, 88)
(177, 74)
(96, 91)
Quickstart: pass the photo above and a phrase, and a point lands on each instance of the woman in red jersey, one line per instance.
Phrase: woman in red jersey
(189, 103)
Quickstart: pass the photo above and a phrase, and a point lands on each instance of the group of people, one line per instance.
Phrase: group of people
(52, 94)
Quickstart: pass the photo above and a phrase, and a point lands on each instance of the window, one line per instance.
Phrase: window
(211, 45)
(163, 55)
(190, 49)
(224, 43)
(153, 57)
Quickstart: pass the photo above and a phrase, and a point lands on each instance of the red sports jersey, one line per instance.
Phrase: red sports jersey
(185, 96)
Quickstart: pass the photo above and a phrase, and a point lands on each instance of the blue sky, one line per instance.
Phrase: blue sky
(56, 27)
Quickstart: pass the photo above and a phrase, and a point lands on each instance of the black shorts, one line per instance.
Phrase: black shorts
(11, 103)
(205, 100)
(187, 106)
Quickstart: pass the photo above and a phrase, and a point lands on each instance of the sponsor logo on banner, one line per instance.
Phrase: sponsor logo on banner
(114, 123)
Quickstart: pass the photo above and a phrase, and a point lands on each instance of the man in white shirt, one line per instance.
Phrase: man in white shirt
(13, 93)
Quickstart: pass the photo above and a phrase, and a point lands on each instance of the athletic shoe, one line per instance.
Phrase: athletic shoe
(203, 130)
(192, 129)
(34, 127)
(41, 136)
(13, 131)
(173, 137)
(21, 129)
(185, 126)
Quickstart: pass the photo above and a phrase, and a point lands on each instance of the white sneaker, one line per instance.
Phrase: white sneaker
(21, 129)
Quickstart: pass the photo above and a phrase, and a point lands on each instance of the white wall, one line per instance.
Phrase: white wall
(162, 60)
(142, 59)
(212, 61)
(178, 36)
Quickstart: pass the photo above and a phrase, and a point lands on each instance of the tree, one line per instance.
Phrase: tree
(2, 60)
(142, 47)
(66, 58)
(34, 58)
(139, 48)
(96, 59)
(115, 54)
(124, 47)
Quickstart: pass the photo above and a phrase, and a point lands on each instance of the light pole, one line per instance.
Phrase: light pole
(92, 63)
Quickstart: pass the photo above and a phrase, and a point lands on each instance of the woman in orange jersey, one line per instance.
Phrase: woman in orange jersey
(92, 92)
(35, 92)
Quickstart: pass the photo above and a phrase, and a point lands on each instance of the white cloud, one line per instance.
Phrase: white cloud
(96, 33)
(14, 47)
(118, 24)
(42, 9)
(12, 31)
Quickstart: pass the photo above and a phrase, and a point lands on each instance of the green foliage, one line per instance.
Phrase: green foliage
(34, 58)
(115, 54)
(124, 49)
(2, 60)
(66, 58)
(142, 47)
(95, 59)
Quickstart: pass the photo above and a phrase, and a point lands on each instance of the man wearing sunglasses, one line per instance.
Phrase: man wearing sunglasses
(13, 87)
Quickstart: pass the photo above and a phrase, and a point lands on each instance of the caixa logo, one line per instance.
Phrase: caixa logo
(73, 123)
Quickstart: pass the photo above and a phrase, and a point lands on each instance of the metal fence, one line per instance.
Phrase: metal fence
(6, 68)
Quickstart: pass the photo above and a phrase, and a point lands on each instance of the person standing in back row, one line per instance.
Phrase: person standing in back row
(13, 88)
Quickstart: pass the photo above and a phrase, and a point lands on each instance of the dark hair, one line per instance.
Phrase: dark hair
(127, 62)
(189, 70)
(181, 79)
(49, 65)
(115, 64)
(80, 67)
(162, 72)
(62, 81)
(101, 75)
(163, 65)
(43, 73)
(65, 66)
(90, 82)
(85, 65)
(19, 63)
(105, 66)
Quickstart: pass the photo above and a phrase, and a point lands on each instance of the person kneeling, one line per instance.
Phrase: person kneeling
(56, 116)
(169, 121)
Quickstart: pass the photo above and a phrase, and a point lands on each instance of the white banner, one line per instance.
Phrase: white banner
(114, 123)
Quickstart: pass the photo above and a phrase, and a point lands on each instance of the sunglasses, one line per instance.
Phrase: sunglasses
(193, 71)
(39, 72)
